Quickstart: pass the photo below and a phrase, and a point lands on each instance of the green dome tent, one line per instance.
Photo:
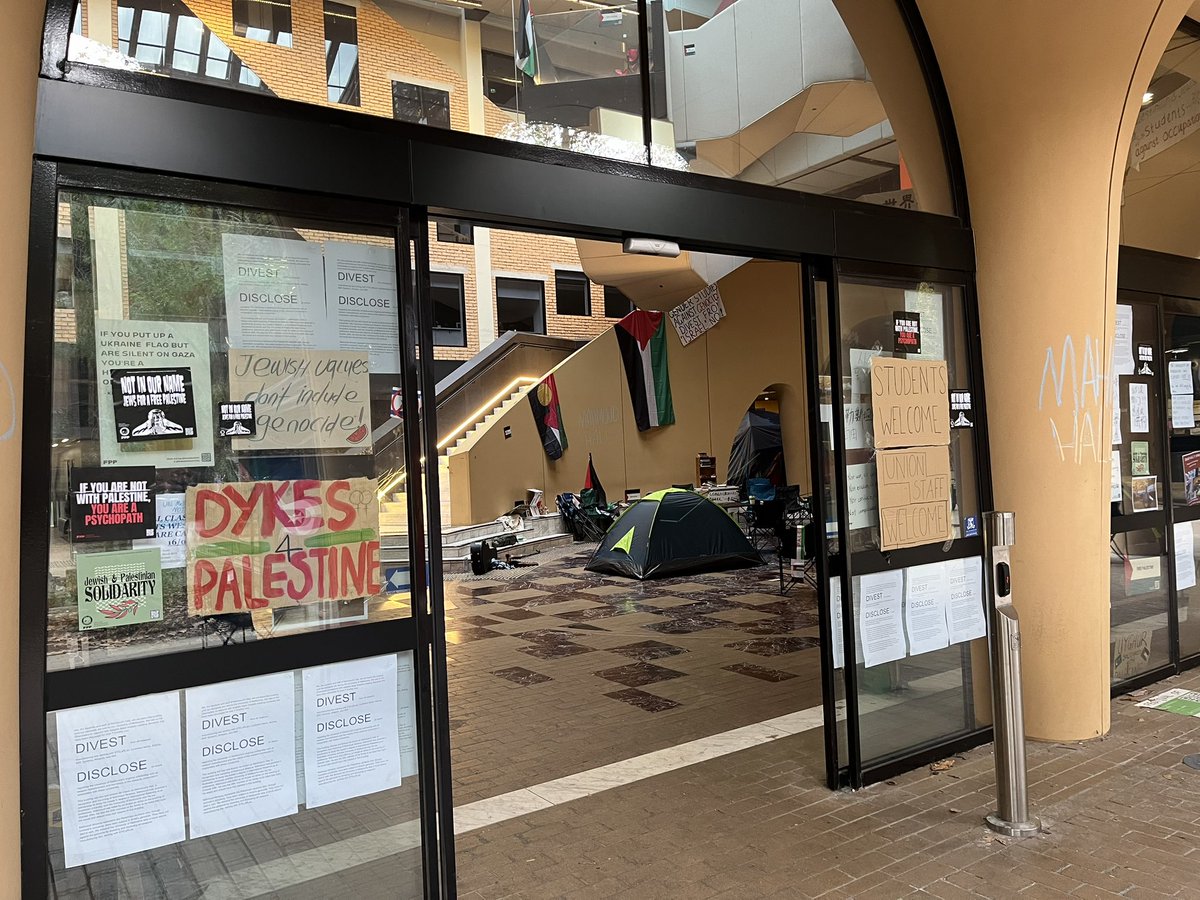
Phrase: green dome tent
(671, 532)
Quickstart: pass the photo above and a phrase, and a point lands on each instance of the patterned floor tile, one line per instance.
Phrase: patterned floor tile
(638, 674)
(772, 675)
(467, 635)
(556, 650)
(518, 615)
(477, 621)
(642, 700)
(648, 650)
(595, 612)
(517, 675)
(684, 624)
(773, 646)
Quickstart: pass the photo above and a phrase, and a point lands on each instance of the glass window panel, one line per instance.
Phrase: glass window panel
(1143, 483)
(341, 53)
(1181, 355)
(616, 304)
(447, 294)
(1187, 535)
(572, 294)
(1138, 592)
(269, 21)
(520, 306)
(225, 302)
(189, 33)
(266, 802)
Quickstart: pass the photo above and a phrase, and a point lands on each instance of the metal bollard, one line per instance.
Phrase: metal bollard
(1012, 816)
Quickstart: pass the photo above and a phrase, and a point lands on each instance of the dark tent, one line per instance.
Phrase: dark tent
(757, 450)
(671, 532)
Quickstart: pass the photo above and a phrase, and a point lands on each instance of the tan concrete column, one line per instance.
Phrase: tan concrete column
(1044, 100)
(18, 74)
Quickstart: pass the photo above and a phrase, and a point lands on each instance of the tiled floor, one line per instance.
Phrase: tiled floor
(554, 670)
(1122, 816)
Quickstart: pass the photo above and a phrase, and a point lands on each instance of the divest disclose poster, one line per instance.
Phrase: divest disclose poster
(271, 544)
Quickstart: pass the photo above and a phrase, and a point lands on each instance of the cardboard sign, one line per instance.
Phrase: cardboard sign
(236, 420)
(270, 544)
(910, 402)
(698, 314)
(914, 496)
(304, 399)
(112, 504)
(906, 328)
(119, 588)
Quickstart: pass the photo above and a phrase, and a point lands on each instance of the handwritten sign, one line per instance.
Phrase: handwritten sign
(303, 399)
(697, 314)
(910, 400)
(914, 496)
(269, 544)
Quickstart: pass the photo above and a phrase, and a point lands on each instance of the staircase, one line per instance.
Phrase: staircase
(465, 442)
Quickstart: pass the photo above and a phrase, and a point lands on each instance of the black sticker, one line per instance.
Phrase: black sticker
(1145, 357)
(236, 419)
(907, 330)
(153, 405)
(507, 432)
(961, 413)
(112, 504)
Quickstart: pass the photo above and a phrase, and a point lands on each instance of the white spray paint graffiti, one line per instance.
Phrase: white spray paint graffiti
(1084, 404)
(8, 414)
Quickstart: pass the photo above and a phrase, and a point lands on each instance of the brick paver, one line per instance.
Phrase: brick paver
(1122, 815)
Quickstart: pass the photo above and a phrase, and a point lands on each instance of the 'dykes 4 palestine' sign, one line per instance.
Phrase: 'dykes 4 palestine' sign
(153, 404)
(269, 544)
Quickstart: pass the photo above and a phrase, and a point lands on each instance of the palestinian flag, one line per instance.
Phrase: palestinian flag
(642, 336)
(548, 416)
(591, 482)
(526, 48)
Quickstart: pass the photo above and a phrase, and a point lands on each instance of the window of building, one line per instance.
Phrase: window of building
(520, 305)
(572, 294)
(616, 304)
(455, 231)
(269, 21)
(501, 80)
(165, 37)
(449, 309)
(341, 53)
(420, 105)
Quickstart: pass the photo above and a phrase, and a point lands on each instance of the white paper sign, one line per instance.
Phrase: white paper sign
(1114, 493)
(697, 314)
(1179, 377)
(241, 752)
(138, 344)
(1116, 424)
(1123, 341)
(121, 776)
(360, 291)
(1185, 556)
(170, 531)
(862, 493)
(835, 623)
(351, 735)
(1165, 123)
(881, 617)
(926, 592)
(1144, 567)
(406, 702)
(929, 305)
(274, 292)
(965, 616)
(1139, 409)
(1183, 411)
(860, 370)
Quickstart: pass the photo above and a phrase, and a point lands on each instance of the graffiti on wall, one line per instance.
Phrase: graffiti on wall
(1072, 394)
(8, 405)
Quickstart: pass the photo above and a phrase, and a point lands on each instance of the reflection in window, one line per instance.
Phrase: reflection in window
(501, 83)
(420, 105)
(572, 294)
(165, 36)
(616, 304)
(341, 53)
(455, 231)
(449, 321)
(269, 21)
(520, 305)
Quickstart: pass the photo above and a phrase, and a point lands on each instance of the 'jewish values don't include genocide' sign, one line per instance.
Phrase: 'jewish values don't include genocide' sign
(269, 544)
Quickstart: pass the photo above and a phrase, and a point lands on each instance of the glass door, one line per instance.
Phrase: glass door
(1142, 618)
(235, 688)
(900, 408)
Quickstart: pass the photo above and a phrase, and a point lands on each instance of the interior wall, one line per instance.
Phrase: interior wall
(18, 73)
(714, 380)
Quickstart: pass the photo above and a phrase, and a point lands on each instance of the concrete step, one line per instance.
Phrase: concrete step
(460, 564)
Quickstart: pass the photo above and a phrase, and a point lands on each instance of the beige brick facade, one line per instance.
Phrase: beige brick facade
(388, 52)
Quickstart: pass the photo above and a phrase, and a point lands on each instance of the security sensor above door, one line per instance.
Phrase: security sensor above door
(651, 247)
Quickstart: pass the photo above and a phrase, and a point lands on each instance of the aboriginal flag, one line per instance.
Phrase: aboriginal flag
(548, 416)
(642, 337)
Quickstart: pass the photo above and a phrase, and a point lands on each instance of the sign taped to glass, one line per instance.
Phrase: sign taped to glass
(270, 544)
(910, 402)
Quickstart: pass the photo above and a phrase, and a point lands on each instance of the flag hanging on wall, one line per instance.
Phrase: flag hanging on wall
(526, 48)
(591, 482)
(548, 416)
(642, 336)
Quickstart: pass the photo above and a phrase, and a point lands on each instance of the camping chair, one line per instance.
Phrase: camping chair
(760, 489)
(764, 521)
(798, 541)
